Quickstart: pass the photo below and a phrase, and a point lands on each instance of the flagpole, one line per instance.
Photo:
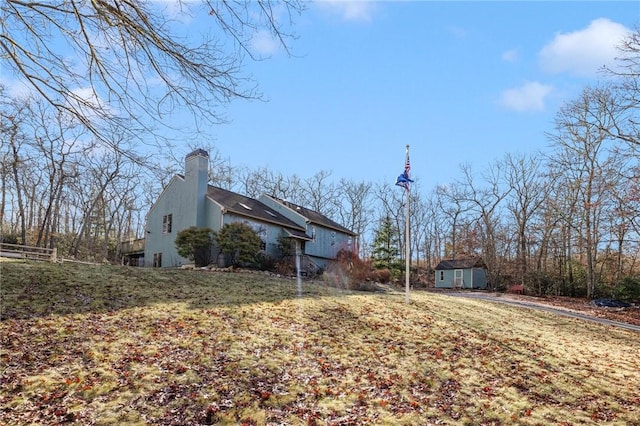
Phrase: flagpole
(298, 277)
(407, 243)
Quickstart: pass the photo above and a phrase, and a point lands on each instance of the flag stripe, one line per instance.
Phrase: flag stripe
(404, 179)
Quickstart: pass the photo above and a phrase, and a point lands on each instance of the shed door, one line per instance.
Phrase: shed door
(457, 278)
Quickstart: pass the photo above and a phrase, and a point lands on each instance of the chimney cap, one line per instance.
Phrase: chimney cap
(197, 152)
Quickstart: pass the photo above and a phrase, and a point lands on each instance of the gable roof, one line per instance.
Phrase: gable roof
(461, 264)
(315, 217)
(252, 208)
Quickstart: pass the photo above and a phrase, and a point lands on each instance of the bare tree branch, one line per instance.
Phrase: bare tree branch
(119, 62)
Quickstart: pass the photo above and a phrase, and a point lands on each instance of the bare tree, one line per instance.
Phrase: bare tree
(320, 194)
(485, 202)
(16, 160)
(437, 233)
(529, 193)
(58, 148)
(622, 116)
(419, 221)
(621, 218)
(586, 167)
(114, 61)
(356, 210)
(452, 206)
(254, 183)
(103, 169)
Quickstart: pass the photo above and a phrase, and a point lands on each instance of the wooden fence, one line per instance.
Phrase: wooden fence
(18, 251)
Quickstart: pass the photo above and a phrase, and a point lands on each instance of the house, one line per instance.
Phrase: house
(327, 237)
(461, 273)
(190, 201)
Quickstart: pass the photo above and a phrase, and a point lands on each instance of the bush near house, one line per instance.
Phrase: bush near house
(239, 241)
(195, 244)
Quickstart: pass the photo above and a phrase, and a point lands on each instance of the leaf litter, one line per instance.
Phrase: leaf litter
(190, 347)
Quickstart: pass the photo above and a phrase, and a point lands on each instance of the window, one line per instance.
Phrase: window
(157, 260)
(441, 275)
(245, 206)
(166, 223)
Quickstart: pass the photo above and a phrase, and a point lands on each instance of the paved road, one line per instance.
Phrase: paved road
(524, 304)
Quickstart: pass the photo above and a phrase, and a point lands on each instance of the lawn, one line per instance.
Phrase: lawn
(118, 345)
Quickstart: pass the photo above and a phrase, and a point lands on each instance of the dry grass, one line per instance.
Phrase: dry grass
(114, 345)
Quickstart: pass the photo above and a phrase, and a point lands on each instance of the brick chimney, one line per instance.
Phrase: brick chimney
(196, 176)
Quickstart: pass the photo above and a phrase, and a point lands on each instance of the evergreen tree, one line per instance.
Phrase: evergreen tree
(385, 245)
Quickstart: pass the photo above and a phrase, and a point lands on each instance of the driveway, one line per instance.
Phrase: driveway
(531, 305)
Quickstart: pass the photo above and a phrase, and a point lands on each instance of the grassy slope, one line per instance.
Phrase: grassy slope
(117, 345)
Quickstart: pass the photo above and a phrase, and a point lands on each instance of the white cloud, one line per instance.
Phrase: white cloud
(349, 10)
(264, 43)
(511, 55)
(85, 101)
(583, 52)
(528, 97)
(18, 88)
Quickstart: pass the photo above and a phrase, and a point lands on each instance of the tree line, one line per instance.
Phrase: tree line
(562, 221)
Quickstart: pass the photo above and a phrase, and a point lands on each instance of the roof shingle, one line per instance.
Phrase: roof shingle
(249, 207)
(461, 263)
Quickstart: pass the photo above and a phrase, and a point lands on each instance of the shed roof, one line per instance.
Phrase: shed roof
(475, 262)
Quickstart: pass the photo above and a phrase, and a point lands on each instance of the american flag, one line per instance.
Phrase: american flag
(404, 180)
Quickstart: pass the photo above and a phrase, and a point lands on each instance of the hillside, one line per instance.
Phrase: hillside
(117, 345)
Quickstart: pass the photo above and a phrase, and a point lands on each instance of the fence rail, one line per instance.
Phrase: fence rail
(18, 251)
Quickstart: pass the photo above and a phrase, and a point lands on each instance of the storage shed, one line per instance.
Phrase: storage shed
(461, 273)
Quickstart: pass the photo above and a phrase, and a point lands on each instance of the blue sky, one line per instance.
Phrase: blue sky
(460, 82)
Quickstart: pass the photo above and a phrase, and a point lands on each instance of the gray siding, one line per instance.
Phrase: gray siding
(184, 200)
(470, 278)
(479, 278)
(176, 194)
(284, 211)
(326, 243)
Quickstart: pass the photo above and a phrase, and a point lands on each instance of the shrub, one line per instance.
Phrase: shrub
(9, 238)
(539, 283)
(286, 266)
(240, 241)
(195, 244)
(382, 275)
(355, 273)
(286, 246)
(627, 289)
(264, 262)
